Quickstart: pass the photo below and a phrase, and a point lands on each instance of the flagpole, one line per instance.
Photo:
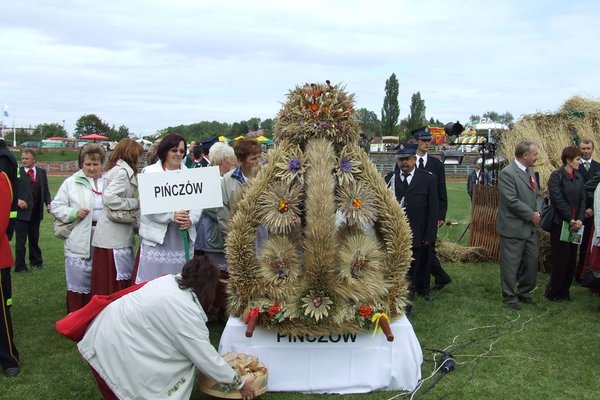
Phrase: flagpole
(2, 128)
(14, 135)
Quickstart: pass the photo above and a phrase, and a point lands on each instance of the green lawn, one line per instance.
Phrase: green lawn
(43, 155)
(548, 351)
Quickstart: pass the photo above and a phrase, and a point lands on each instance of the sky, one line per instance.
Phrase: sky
(153, 64)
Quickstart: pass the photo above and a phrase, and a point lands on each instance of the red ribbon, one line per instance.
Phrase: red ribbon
(252, 313)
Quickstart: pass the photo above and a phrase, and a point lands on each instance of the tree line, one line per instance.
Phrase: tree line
(369, 122)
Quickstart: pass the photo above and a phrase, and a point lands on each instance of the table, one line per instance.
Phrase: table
(348, 363)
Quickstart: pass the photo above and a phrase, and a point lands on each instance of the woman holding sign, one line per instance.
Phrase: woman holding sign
(113, 241)
(565, 188)
(166, 237)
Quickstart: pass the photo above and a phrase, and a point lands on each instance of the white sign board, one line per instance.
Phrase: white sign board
(183, 189)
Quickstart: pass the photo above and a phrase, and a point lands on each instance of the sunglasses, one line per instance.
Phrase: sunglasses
(175, 151)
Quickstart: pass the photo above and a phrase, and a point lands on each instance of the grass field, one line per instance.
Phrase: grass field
(548, 351)
(44, 155)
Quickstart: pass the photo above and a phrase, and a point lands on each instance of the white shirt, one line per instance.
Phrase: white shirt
(424, 157)
(409, 177)
(34, 171)
(523, 167)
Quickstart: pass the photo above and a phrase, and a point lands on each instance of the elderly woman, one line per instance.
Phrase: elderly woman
(166, 236)
(114, 240)
(565, 188)
(162, 339)
(79, 199)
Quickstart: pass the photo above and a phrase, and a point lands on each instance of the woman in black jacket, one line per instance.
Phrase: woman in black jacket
(565, 188)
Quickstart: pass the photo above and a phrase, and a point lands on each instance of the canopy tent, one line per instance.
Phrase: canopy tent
(263, 139)
(239, 137)
(93, 136)
(57, 138)
(224, 139)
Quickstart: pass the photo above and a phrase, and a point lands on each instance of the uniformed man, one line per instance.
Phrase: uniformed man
(436, 167)
(416, 191)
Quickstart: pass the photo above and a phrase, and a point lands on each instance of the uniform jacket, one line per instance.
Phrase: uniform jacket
(420, 205)
(518, 201)
(6, 196)
(9, 165)
(24, 193)
(591, 177)
(153, 227)
(148, 344)
(566, 196)
(75, 193)
(436, 167)
(120, 186)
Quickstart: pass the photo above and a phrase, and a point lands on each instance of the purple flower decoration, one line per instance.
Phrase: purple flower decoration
(302, 123)
(346, 165)
(294, 165)
(324, 125)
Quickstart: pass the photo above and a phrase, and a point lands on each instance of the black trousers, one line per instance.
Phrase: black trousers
(27, 231)
(9, 356)
(564, 256)
(420, 271)
(588, 223)
(440, 276)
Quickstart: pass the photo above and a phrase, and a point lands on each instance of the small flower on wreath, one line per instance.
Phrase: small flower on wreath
(348, 166)
(359, 264)
(316, 305)
(275, 312)
(356, 202)
(279, 207)
(291, 166)
(363, 316)
(280, 267)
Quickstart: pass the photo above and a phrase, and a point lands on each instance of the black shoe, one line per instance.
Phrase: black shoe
(527, 300)
(23, 271)
(440, 286)
(41, 266)
(12, 372)
(513, 306)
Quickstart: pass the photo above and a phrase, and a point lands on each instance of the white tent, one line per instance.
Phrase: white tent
(145, 143)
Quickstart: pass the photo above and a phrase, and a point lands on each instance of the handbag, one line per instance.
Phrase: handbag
(547, 213)
(122, 216)
(74, 325)
(590, 278)
(62, 230)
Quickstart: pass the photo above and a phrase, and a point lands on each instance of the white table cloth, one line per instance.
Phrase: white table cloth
(350, 363)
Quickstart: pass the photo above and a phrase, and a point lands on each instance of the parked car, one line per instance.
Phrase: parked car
(32, 143)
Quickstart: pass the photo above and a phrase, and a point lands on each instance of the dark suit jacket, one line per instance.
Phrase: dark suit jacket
(517, 202)
(436, 167)
(566, 196)
(420, 205)
(472, 180)
(593, 178)
(24, 193)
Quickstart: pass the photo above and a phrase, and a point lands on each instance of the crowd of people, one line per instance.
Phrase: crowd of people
(98, 215)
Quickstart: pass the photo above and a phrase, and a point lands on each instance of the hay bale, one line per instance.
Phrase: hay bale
(449, 252)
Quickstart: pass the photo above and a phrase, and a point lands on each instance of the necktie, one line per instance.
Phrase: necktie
(31, 174)
(586, 165)
(421, 163)
(532, 181)
(405, 176)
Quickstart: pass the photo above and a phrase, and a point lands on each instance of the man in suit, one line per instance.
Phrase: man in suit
(478, 176)
(33, 193)
(416, 190)
(518, 216)
(588, 169)
(436, 167)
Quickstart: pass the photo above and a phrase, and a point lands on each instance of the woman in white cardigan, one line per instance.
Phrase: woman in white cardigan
(113, 241)
(166, 236)
(149, 343)
(79, 198)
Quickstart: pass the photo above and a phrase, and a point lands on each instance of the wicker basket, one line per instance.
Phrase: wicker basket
(244, 365)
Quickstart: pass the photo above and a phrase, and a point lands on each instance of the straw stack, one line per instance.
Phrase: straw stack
(577, 119)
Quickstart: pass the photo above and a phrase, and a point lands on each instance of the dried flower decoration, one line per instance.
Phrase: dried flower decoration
(291, 166)
(363, 316)
(355, 201)
(280, 267)
(349, 166)
(316, 305)
(359, 264)
(279, 207)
